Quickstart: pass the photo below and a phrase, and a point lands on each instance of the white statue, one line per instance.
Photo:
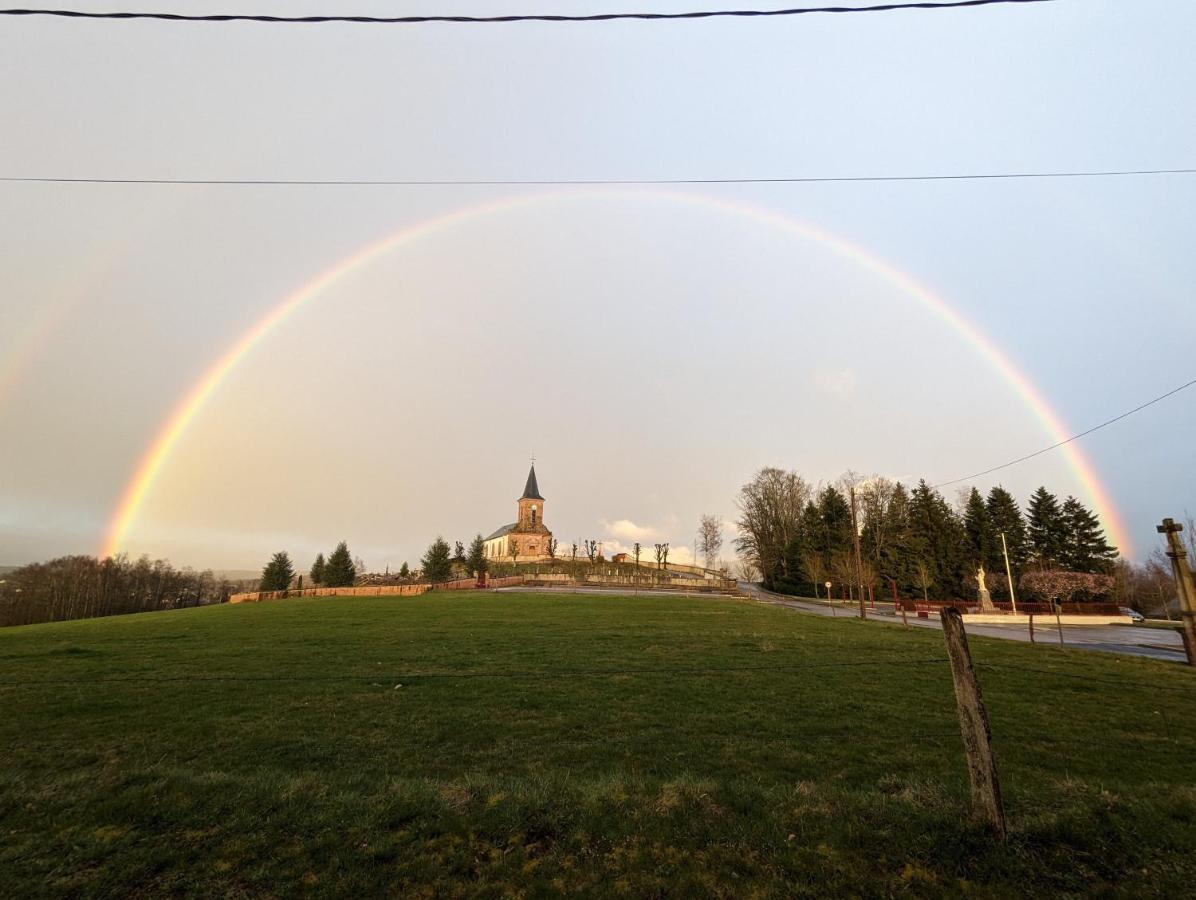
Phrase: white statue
(986, 600)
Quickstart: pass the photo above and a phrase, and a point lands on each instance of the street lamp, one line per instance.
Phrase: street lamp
(1008, 573)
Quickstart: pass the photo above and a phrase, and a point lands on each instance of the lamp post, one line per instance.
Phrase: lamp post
(1008, 573)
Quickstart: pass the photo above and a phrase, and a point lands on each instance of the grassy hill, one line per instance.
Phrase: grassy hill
(477, 744)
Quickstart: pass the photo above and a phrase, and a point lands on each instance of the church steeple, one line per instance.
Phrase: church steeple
(531, 490)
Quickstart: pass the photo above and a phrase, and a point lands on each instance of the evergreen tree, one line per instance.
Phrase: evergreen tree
(1085, 548)
(317, 570)
(277, 574)
(937, 540)
(1046, 529)
(983, 544)
(811, 527)
(834, 514)
(436, 563)
(477, 561)
(890, 543)
(404, 570)
(339, 570)
(1006, 518)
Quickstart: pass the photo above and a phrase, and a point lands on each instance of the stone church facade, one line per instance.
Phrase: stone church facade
(528, 535)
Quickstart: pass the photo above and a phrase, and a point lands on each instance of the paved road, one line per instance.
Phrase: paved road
(1157, 643)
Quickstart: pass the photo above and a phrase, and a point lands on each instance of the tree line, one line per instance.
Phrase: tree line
(81, 587)
(798, 535)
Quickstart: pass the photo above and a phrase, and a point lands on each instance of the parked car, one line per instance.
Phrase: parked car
(1132, 613)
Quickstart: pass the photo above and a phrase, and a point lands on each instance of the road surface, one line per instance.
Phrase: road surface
(1136, 640)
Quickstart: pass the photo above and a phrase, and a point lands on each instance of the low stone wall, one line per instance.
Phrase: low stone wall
(1044, 619)
(384, 590)
(378, 590)
(469, 584)
(645, 582)
(630, 581)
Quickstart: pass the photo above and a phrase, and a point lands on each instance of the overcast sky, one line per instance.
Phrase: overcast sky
(651, 349)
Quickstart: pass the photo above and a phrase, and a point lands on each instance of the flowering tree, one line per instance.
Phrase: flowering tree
(1057, 586)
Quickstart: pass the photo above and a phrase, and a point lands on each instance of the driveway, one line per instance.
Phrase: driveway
(1135, 640)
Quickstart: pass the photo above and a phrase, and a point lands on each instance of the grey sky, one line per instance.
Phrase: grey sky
(652, 353)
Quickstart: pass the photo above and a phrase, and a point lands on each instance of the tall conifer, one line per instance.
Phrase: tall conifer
(1007, 519)
(1046, 528)
(317, 570)
(437, 562)
(339, 570)
(982, 542)
(1085, 548)
(277, 574)
(476, 560)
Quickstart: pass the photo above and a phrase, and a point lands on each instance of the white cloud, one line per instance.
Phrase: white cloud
(620, 535)
(838, 382)
(626, 530)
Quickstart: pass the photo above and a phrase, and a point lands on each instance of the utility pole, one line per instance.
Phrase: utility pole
(859, 562)
(1183, 584)
(1008, 573)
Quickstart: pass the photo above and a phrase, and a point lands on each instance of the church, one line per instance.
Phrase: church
(528, 535)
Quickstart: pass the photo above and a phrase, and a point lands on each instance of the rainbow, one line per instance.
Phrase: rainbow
(155, 458)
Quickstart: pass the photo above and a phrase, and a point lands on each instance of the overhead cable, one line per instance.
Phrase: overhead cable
(582, 182)
(1074, 437)
(491, 20)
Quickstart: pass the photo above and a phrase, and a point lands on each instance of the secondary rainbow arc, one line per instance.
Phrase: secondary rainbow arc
(184, 413)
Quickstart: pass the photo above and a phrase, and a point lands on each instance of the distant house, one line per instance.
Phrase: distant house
(619, 558)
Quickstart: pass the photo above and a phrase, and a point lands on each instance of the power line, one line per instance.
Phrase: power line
(583, 182)
(420, 20)
(1074, 437)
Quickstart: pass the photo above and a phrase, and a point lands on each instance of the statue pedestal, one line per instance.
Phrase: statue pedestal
(986, 601)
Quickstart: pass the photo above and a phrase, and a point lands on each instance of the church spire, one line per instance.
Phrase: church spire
(531, 491)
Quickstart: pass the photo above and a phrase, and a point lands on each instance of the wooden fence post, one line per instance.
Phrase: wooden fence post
(973, 726)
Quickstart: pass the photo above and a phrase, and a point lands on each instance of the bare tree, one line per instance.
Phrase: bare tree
(710, 538)
(591, 550)
(843, 570)
(636, 550)
(815, 567)
(662, 555)
(923, 571)
(552, 549)
(770, 509)
(747, 571)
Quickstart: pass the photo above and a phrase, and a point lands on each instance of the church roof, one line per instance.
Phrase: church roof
(531, 491)
(506, 529)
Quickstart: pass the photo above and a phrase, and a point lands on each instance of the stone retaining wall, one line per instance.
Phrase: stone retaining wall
(378, 590)
(470, 584)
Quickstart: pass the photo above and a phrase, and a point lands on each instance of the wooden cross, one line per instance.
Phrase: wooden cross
(1183, 584)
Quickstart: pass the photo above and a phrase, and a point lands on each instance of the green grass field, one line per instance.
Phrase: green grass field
(494, 745)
